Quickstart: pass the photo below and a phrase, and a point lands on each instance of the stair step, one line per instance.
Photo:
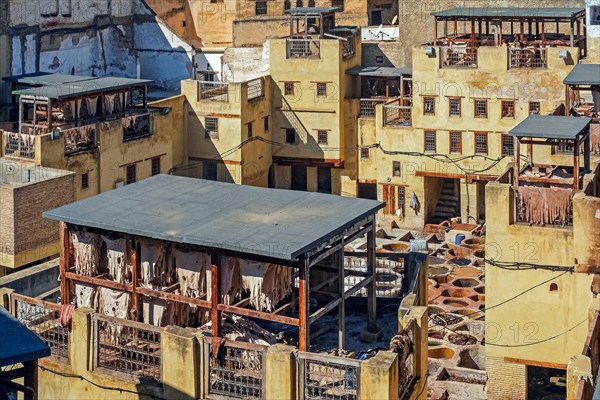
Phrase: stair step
(446, 214)
(445, 209)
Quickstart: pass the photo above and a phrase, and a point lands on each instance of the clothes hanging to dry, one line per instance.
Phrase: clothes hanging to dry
(541, 206)
(87, 253)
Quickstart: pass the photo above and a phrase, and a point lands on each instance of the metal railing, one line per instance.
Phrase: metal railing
(367, 107)
(236, 370)
(136, 127)
(388, 276)
(459, 57)
(255, 89)
(43, 319)
(397, 115)
(82, 138)
(528, 58)
(18, 145)
(303, 48)
(328, 377)
(213, 91)
(128, 347)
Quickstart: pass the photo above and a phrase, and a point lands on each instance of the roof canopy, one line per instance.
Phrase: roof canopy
(584, 74)
(380, 72)
(45, 78)
(19, 344)
(509, 13)
(282, 224)
(59, 90)
(551, 127)
(311, 11)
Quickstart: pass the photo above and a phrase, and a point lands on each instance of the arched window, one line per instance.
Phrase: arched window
(287, 5)
(311, 3)
(553, 287)
(299, 3)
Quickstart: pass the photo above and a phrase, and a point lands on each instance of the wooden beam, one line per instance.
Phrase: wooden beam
(286, 307)
(325, 309)
(65, 287)
(522, 31)
(30, 379)
(304, 305)
(576, 166)
(215, 294)
(435, 31)
(123, 287)
(259, 314)
(174, 297)
(359, 285)
(535, 363)
(342, 304)
(371, 294)
(517, 162)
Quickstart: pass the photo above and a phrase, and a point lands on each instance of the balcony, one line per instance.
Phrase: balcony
(303, 48)
(136, 127)
(529, 57)
(458, 57)
(213, 91)
(80, 139)
(397, 115)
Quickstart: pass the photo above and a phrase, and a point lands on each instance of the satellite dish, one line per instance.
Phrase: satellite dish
(395, 20)
(378, 31)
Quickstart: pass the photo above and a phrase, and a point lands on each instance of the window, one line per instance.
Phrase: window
(396, 168)
(290, 135)
(534, 107)
(155, 166)
(84, 180)
(299, 3)
(481, 109)
(321, 89)
(288, 88)
(211, 127)
(564, 146)
(322, 137)
(402, 199)
(266, 124)
(287, 5)
(508, 145)
(249, 127)
(364, 152)
(131, 174)
(481, 142)
(338, 3)
(508, 108)
(455, 142)
(430, 145)
(261, 8)
(455, 107)
(428, 105)
(210, 171)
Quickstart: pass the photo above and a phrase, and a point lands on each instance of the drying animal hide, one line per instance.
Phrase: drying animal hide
(160, 312)
(267, 284)
(232, 284)
(401, 344)
(115, 252)
(113, 304)
(191, 270)
(87, 254)
(596, 98)
(86, 295)
(542, 206)
(157, 271)
(238, 329)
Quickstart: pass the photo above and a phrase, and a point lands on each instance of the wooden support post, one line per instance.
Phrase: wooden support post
(586, 151)
(30, 379)
(567, 100)
(578, 28)
(145, 92)
(576, 164)
(215, 294)
(572, 32)
(135, 298)
(522, 32)
(65, 257)
(304, 305)
(371, 293)
(543, 34)
(435, 32)
(500, 41)
(480, 29)
(342, 305)
(455, 27)
(49, 115)
(537, 28)
(557, 27)
(445, 28)
(517, 161)
(487, 27)
(512, 29)
(472, 33)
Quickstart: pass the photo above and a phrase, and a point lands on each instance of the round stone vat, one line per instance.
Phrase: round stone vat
(441, 353)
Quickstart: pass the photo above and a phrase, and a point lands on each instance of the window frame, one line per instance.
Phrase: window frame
(288, 132)
(401, 199)
(512, 150)
(514, 111)
(459, 100)
(214, 121)
(539, 107)
(326, 135)
(425, 100)
(481, 134)
(152, 166)
(249, 129)
(425, 148)
(365, 153)
(475, 114)
(264, 3)
(289, 88)
(460, 137)
(396, 167)
(266, 123)
(85, 180)
(128, 169)
(321, 89)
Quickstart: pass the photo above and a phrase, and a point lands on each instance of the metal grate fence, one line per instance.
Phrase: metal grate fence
(324, 377)
(528, 58)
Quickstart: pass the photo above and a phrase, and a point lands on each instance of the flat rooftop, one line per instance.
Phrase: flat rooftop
(45, 78)
(17, 173)
(551, 127)
(65, 90)
(282, 224)
(311, 11)
(584, 74)
(510, 12)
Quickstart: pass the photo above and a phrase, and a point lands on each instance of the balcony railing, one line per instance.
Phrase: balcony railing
(459, 57)
(136, 127)
(367, 107)
(18, 145)
(256, 89)
(82, 138)
(529, 57)
(394, 115)
(328, 377)
(213, 91)
(303, 48)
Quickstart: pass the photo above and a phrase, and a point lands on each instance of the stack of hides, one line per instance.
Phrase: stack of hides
(542, 206)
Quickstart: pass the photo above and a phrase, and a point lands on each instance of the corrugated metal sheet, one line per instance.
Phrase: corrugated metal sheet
(550, 127)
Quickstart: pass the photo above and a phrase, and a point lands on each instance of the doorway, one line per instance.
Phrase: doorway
(324, 180)
(299, 177)
(376, 17)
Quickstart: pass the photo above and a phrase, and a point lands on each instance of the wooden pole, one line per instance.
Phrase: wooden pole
(65, 287)
(342, 305)
(215, 294)
(572, 32)
(49, 115)
(517, 161)
(304, 305)
(30, 379)
(522, 35)
(567, 100)
(500, 41)
(135, 299)
(586, 151)
(435, 32)
(372, 295)
(576, 164)
(445, 28)
(472, 33)
(543, 34)
(455, 27)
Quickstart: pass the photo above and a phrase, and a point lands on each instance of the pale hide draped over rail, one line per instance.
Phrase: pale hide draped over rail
(541, 206)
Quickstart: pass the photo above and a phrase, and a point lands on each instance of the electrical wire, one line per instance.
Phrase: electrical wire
(113, 388)
(539, 341)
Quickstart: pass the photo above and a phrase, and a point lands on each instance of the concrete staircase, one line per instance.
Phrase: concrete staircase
(448, 204)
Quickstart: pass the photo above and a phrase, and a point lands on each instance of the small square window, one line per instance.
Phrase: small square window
(288, 88)
(131, 174)
(84, 180)
(249, 127)
(481, 109)
(322, 137)
(266, 124)
(210, 171)
(396, 168)
(508, 109)
(481, 143)
(211, 127)
(290, 136)
(455, 142)
(455, 107)
(155, 166)
(508, 145)
(428, 105)
(364, 152)
(260, 8)
(321, 89)
(534, 107)
(430, 142)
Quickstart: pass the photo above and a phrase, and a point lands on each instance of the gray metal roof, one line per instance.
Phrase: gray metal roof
(45, 78)
(584, 74)
(384, 72)
(85, 87)
(270, 222)
(19, 344)
(551, 127)
(510, 12)
(311, 11)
